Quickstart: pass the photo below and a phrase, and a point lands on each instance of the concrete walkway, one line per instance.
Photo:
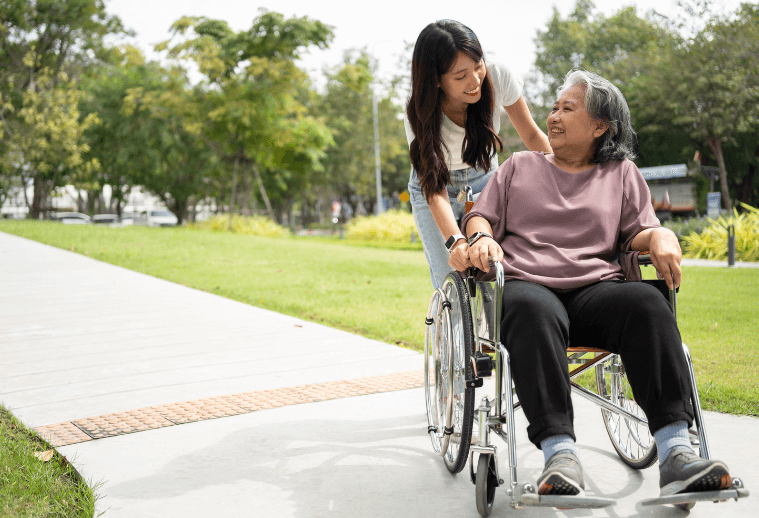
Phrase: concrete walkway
(81, 339)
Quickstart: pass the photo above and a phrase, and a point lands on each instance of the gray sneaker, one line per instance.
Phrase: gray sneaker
(686, 472)
(562, 476)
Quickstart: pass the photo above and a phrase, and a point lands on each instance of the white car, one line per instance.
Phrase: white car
(72, 218)
(111, 220)
(132, 218)
(160, 218)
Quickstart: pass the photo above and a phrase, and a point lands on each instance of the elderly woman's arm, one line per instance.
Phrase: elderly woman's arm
(483, 247)
(665, 252)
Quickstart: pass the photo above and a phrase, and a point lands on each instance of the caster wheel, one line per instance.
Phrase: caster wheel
(486, 482)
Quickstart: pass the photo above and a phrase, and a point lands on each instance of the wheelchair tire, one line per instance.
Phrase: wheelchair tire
(633, 441)
(485, 484)
(436, 368)
(461, 344)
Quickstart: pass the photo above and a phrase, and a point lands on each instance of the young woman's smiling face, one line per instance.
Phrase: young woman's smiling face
(462, 84)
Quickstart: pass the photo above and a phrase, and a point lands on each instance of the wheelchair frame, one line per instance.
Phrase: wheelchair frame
(448, 416)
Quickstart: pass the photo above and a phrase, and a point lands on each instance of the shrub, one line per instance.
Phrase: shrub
(392, 226)
(712, 242)
(685, 227)
(250, 225)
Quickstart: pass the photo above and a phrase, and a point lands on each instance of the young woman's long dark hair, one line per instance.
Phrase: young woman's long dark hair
(434, 55)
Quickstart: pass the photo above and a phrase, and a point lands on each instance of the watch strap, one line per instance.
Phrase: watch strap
(478, 235)
(453, 239)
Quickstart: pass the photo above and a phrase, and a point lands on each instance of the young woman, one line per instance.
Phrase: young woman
(452, 123)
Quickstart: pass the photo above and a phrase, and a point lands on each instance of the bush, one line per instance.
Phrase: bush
(712, 242)
(250, 225)
(686, 227)
(393, 226)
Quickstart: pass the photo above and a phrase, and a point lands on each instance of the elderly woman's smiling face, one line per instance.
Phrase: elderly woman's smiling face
(572, 132)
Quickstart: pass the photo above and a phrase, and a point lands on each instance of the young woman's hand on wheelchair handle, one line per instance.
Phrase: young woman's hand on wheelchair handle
(459, 258)
(481, 250)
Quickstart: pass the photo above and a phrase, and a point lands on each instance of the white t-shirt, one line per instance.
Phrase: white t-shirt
(508, 90)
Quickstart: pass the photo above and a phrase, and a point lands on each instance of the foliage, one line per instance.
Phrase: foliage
(712, 242)
(254, 120)
(685, 227)
(176, 161)
(393, 226)
(248, 225)
(347, 106)
(44, 140)
(709, 85)
(121, 141)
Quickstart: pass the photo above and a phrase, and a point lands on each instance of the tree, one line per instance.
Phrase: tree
(119, 142)
(715, 96)
(43, 44)
(251, 90)
(44, 141)
(175, 160)
(347, 106)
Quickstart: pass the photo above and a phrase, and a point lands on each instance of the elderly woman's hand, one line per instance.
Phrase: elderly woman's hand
(666, 255)
(481, 249)
(459, 258)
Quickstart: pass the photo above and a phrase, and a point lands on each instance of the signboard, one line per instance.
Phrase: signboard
(713, 204)
(662, 172)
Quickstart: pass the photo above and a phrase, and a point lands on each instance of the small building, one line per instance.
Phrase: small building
(673, 190)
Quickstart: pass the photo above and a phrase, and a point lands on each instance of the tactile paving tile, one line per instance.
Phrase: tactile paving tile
(121, 423)
(266, 399)
(149, 418)
(62, 434)
(198, 410)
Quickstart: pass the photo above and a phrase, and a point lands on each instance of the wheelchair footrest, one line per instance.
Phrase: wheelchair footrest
(566, 502)
(699, 496)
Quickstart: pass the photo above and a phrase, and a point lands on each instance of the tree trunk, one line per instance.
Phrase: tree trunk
(263, 193)
(748, 182)
(37, 198)
(234, 190)
(715, 144)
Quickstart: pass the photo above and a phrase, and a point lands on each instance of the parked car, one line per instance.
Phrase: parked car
(160, 218)
(132, 218)
(112, 220)
(72, 218)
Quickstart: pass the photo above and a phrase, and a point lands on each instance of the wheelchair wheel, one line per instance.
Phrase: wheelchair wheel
(485, 484)
(437, 368)
(461, 348)
(632, 441)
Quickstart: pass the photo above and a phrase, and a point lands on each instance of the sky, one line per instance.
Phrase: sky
(506, 28)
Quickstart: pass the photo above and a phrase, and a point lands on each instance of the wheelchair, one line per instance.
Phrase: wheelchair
(462, 347)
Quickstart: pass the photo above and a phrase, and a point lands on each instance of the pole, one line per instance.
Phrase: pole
(378, 209)
(731, 245)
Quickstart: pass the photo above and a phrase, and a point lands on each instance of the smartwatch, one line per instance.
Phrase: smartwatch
(477, 235)
(452, 240)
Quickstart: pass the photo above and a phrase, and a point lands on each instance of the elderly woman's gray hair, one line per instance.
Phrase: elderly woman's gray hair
(606, 103)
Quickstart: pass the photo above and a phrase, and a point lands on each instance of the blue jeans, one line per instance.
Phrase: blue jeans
(432, 240)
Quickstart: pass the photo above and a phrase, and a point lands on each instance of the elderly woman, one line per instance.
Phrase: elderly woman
(556, 222)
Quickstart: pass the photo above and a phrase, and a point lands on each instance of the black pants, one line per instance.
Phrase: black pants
(631, 319)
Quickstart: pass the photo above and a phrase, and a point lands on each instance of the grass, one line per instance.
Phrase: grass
(31, 488)
(383, 293)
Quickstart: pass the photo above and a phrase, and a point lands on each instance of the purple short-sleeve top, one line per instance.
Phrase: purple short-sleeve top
(564, 230)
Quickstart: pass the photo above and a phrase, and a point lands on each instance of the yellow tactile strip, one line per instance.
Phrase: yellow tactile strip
(149, 418)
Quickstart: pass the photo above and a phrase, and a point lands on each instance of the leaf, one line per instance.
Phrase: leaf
(44, 456)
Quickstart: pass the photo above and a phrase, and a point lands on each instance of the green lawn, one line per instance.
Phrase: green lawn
(31, 487)
(383, 293)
